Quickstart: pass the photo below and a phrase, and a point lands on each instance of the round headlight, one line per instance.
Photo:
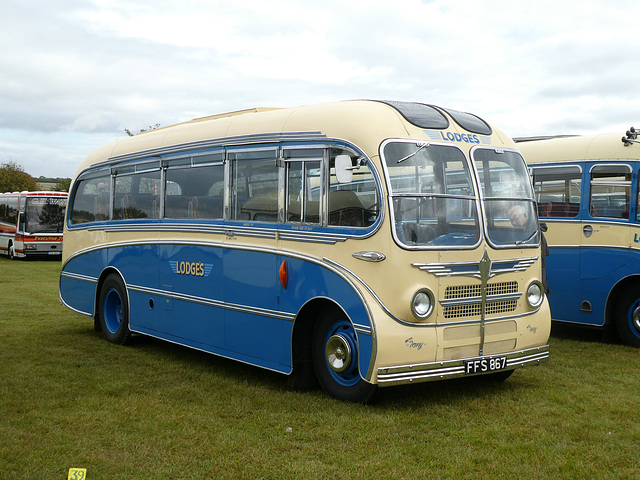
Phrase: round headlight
(422, 304)
(535, 294)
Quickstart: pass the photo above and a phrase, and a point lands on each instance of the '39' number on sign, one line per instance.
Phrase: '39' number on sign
(77, 474)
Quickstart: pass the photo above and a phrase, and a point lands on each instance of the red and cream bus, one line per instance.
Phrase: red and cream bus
(31, 223)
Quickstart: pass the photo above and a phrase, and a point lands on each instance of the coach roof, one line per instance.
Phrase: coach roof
(341, 120)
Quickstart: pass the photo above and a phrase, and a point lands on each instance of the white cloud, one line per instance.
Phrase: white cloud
(75, 73)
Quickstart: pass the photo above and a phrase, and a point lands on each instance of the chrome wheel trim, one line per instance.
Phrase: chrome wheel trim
(338, 353)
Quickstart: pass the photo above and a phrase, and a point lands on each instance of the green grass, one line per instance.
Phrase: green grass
(159, 411)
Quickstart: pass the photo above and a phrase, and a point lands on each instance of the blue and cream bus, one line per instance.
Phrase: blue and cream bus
(359, 243)
(588, 197)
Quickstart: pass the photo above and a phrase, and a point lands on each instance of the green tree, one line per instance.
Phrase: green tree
(14, 179)
(63, 185)
(151, 127)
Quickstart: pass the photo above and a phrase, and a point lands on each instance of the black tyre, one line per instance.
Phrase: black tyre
(113, 310)
(335, 359)
(627, 316)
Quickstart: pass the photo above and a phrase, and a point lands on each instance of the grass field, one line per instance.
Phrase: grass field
(158, 411)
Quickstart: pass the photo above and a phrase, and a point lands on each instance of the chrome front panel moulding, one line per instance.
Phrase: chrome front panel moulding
(425, 372)
(484, 269)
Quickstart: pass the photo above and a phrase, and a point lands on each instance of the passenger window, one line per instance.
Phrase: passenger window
(558, 190)
(303, 189)
(255, 186)
(610, 191)
(137, 196)
(194, 192)
(353, 204)
(9, 210)
(91, 200)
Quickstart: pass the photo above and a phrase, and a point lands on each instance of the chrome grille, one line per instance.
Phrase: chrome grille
(467, 291)
(462, 291)
(501, 307)
(474, 309)
(502, 288)
(468, 310)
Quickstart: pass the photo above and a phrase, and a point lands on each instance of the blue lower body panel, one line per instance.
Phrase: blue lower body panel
(221, 300)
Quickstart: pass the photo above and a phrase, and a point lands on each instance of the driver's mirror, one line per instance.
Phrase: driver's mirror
(344, 169)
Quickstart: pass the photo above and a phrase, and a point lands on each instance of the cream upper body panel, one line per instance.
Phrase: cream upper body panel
(607, 146)
(363, 123)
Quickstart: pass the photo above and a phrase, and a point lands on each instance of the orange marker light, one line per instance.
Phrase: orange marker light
(283, 273)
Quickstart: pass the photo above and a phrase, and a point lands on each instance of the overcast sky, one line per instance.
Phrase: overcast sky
(75, 73)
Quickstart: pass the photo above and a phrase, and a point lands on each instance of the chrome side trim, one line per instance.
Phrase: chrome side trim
(425, 372)
(231, 231)
(364, 329)
(264, 312)
(77, 276)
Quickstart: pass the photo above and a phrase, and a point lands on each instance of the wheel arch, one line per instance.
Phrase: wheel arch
(614, 296)
(303, 375)
(96, 300)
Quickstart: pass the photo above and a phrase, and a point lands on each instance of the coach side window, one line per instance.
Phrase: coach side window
(195, 192)
(91, 202)
(356, 203)
(254, 186)
(137, 195)
(303, 185)
(558, 190)
(610, 191)
(9, 210)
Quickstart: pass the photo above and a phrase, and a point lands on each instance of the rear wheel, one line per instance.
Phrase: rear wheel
(335, 358)
(113, 310)
(628, 316)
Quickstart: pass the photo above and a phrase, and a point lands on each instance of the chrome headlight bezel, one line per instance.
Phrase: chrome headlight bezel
(535, 294)
(422, 304)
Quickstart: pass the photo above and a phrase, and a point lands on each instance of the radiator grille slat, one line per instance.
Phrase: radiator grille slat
(474, 309)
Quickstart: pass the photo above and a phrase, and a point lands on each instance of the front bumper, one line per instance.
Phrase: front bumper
(427, 372)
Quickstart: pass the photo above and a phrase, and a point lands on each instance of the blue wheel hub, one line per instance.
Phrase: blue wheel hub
(341, 352)
(112, 311)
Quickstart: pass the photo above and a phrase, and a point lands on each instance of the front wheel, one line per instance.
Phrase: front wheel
(335, 358)
(628, 316)
(113, 310)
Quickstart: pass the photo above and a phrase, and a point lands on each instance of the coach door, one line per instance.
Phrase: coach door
(558, 190)
(605, 236)
(250, 260)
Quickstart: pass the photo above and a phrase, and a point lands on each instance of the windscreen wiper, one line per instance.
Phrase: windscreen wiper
(421, 146)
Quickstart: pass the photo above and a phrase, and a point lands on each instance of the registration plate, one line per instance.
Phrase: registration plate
(485, 365)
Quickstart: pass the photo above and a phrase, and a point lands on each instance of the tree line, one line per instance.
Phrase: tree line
(13, 178)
